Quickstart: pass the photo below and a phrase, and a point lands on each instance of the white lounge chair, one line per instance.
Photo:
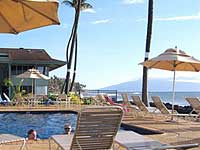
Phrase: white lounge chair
(9, 138)
(128, 105)
(133, 141)
(163, 109)
(7, 98)
(96, 128)
(194, 103)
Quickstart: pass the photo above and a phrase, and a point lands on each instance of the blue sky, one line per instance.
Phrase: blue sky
(112, 38)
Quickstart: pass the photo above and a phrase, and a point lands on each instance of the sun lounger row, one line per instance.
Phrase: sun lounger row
(141, 107)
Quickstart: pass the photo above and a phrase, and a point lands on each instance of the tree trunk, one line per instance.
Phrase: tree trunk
(67, 55)
(75, 64)
(147, 50)
(77, 13)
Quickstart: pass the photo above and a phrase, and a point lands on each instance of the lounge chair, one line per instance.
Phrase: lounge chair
(63, 99)
(163, 109)
(194, 103)
(3, 102)
(96, 128)
(158, 103)
(139, 104)
(110, 101)
(132, 140)
(7, 98)
(143, 108)
(127, 103)
(101, 99)
(9, 138)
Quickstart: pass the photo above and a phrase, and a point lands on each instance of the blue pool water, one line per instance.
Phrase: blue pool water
(46, 124)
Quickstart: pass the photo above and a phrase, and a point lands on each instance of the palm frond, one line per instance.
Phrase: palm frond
(85, 6)
(67, 2)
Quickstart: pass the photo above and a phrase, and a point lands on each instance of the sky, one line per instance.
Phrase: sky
(111, 39)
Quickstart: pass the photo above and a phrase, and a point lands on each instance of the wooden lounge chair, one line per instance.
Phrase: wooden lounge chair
(163, 109)
(9, 138)
(194, 103)
(96, 128)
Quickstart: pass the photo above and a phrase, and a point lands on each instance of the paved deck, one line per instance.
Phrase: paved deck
(176, 132)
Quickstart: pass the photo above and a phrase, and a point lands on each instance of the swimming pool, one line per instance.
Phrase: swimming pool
(46, 124)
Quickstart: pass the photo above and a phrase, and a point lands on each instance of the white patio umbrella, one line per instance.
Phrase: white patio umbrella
(173, 60)
(33, 74)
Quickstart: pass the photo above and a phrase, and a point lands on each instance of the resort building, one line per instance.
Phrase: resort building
(16, 61)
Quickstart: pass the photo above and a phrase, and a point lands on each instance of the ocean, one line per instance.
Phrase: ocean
(167, 97)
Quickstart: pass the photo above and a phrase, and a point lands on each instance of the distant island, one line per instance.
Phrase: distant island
(157, 85)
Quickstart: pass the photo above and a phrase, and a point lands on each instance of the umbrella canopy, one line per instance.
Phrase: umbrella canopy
(33, 74)
(21, 15)
(173, 60)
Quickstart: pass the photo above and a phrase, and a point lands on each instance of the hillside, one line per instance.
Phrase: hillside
(156, 85)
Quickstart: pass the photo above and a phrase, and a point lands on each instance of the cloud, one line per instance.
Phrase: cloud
(89, 11)
(128, 2)
(188, 80)
(177, 18)
(104, 21)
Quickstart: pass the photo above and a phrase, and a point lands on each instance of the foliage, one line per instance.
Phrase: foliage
(52, 96)
(88, 101)
(55, 84)
(16, 91)
(75, 99)
(78, 87)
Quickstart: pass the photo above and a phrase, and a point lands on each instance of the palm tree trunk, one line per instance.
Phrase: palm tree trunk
(75, 64)
(147, 50)
(77, 13)
(67, 55)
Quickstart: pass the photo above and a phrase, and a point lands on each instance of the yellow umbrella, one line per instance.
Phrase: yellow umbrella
(173, 60)
(21, 15)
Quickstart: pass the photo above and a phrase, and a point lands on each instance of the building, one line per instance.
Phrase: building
(16, 61)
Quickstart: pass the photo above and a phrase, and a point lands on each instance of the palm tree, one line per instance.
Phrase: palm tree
(78, 5)
(147, 50)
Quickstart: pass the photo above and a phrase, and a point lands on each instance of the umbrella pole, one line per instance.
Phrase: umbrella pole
(35, 90)
(173, 94)
(32, 86)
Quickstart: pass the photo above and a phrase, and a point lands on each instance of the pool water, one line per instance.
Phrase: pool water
(46, 124)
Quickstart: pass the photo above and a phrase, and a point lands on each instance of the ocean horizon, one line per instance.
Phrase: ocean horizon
(166, 97)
